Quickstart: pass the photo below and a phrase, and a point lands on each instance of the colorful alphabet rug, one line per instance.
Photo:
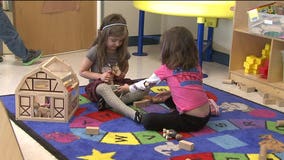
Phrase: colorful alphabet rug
(235, 134)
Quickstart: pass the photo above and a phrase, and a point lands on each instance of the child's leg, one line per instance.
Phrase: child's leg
(131, 97)
(158, 121)
(112, 100)
(170, 103)
(173, 120)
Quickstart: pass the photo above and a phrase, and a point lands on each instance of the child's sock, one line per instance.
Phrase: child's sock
(215, 111)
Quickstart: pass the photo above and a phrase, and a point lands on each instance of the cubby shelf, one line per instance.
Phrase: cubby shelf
(245, 43)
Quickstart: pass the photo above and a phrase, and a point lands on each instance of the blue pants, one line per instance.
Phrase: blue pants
(11, 38)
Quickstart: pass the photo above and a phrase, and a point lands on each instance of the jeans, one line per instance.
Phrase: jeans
(11, 38)
(1, 48)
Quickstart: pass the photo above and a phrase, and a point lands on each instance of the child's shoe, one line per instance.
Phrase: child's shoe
(33, 56)
(215, 109)
(138, 117)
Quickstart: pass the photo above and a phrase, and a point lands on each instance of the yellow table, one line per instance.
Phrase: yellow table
(203, 10)
(214, 9)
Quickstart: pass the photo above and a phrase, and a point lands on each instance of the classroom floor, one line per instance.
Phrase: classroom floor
(12, 72)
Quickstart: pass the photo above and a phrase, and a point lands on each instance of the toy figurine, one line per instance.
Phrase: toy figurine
(170, 133)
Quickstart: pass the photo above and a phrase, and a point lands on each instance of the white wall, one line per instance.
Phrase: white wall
(222, 37)
(131, 14)
(157, 24)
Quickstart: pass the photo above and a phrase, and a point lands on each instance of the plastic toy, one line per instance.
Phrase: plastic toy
(268, 143)
(170, 133)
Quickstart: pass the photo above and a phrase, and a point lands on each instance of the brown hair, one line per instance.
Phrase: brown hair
(115, 31)
(178, 48)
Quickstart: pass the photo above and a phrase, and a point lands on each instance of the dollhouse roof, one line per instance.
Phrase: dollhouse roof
(55, 69)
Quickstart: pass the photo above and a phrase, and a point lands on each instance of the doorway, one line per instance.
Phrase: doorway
(56, 26)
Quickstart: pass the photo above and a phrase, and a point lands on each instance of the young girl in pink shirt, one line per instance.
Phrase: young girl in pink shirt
(181, 70)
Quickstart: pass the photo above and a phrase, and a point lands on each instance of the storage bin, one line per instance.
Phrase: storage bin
(271, 25)
(267, 20)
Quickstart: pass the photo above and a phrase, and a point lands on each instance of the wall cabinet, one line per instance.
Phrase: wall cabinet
(245, 43)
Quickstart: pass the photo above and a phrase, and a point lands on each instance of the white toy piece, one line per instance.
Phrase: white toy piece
(229, 107)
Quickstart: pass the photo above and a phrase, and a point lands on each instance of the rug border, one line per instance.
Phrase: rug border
(35, 136)
(244, 98)
(55, 151)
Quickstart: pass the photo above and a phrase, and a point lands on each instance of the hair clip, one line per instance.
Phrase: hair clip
(114, 24)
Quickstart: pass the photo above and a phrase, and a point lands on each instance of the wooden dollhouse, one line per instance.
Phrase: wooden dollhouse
(48, 93)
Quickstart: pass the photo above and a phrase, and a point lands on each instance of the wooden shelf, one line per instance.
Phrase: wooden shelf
(276, 88)
(245, 31)
(245, 44)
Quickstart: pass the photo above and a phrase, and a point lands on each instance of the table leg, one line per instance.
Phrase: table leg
(140, 35)
(209, 44)
(200, 38)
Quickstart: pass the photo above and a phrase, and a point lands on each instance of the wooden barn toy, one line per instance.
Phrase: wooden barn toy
(48, 93)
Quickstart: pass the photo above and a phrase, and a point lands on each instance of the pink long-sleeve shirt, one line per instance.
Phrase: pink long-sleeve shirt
(185, 86)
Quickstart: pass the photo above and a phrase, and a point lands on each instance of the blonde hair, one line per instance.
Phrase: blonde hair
(112, 25)
(178, 49)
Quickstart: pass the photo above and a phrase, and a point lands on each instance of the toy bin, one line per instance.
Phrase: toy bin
(267, 20)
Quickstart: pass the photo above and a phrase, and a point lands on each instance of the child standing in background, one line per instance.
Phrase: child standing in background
(10, 36)
(110, 49)
(181, 70)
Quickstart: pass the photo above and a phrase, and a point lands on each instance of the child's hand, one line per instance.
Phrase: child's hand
(123, 89)
(162, 97)
(106, 77)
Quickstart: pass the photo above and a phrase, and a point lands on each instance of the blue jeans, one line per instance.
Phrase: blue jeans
(11, 38)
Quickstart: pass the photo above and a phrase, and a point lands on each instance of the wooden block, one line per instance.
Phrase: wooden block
(246, 88)
(269, 101)
(186, 145)
(250, 89)
(263, 94)
(92, 130)
(280, 123)
(68, 82)
(280, 102)
(262, 153)
(142, 103)
(228, 81)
